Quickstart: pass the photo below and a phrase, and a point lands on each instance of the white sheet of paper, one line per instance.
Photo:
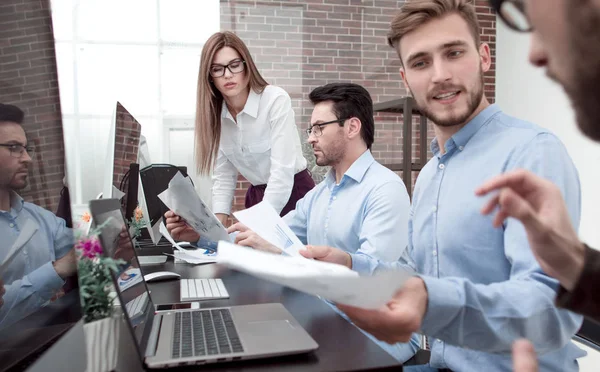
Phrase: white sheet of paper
(29, 228)
(264, 220)
(182, 198)
(192, 259)
(333, 282)
(163, 230)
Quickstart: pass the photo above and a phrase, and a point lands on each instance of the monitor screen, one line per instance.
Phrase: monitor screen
(155, 179)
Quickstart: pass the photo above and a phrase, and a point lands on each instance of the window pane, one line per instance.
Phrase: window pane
(110, 73)
(64, 66)
(181, 152)
(117, 20)
(62, 19)
(93, 143)
(188, 21)
(179, 78)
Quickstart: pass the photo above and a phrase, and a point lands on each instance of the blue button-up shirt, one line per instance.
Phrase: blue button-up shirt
(30, 280)
(484, 285)
(366, 214)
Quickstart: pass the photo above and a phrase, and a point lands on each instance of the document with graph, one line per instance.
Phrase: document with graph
(265, 221)
(181, 197)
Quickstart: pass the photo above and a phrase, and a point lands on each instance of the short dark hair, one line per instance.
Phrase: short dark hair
(416, 13)
(11, 113)
(349, 100)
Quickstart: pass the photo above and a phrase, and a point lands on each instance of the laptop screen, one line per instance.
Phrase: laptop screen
(131, 288)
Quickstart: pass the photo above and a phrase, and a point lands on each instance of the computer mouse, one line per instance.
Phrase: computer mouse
(161, 275)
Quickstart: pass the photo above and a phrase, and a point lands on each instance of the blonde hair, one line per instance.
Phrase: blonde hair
(415, 13)
(210, 100)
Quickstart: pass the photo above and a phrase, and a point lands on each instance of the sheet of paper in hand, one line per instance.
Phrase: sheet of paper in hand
(265, 221)
(182, 198)
(330, 281)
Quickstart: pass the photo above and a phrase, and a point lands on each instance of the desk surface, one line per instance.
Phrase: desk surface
(342, 347)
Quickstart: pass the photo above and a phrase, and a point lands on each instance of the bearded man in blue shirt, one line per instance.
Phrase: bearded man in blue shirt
(479, 288)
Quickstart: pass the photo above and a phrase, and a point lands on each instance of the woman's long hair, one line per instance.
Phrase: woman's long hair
(210, 100)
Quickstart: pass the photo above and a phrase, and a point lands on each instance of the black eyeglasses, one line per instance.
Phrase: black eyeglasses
(16, 150)
(513, 14)
(317, 129)
(235, 67)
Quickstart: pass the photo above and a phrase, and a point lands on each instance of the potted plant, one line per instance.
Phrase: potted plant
(136, 224)
(102, 325)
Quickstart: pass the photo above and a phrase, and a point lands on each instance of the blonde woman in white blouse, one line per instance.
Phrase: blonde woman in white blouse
(244, 125)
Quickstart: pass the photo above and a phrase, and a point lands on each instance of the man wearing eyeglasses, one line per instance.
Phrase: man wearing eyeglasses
(42, 245)
(361, 207)
(479, 287)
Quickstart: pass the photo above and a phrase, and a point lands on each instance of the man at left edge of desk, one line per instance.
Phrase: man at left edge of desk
(45, 258)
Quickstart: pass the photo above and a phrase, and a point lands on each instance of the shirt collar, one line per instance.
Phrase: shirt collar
(16, 202)
(250, 108)
(460, 138)
(357, 170)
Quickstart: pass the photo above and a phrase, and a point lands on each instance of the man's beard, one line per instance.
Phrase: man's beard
(473, 101)
(583, 19)
(333, 155)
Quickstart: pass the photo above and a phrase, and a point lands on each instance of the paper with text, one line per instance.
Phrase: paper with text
(181, 197)
(264, 220)
(190, 256)
(333, 282)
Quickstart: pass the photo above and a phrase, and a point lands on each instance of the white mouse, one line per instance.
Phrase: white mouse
(161, 275)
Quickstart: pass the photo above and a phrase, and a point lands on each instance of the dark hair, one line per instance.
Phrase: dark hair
(349, 100)
(11, 113)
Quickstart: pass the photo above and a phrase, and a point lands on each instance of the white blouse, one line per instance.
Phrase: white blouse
(264, 146)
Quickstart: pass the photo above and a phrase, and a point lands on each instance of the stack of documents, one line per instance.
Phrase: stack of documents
(182, 198)
(333, 282)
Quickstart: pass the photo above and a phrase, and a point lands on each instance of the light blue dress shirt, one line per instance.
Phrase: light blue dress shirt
(366, 214)
(31, 280)
(485, 287)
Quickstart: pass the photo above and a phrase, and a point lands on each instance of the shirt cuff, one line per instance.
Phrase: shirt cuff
(223, 208)
(581, 298)
(443, 300)
(361, 263)
(46, 281)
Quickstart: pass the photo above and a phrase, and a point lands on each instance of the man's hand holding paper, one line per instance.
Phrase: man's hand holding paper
(263, 220)
(179, 229)
(248, 238)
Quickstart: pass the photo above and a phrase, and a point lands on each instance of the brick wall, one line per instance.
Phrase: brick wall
(302, 44)
(28, 79)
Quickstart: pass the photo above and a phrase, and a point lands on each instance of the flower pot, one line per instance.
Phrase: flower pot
(102, 344)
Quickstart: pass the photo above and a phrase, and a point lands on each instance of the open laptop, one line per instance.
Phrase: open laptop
(186, 336)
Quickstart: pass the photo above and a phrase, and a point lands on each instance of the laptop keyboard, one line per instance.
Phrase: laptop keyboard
(205, 332)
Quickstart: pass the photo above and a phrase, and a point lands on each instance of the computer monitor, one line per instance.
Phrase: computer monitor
(155, 179)
(122, 151)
